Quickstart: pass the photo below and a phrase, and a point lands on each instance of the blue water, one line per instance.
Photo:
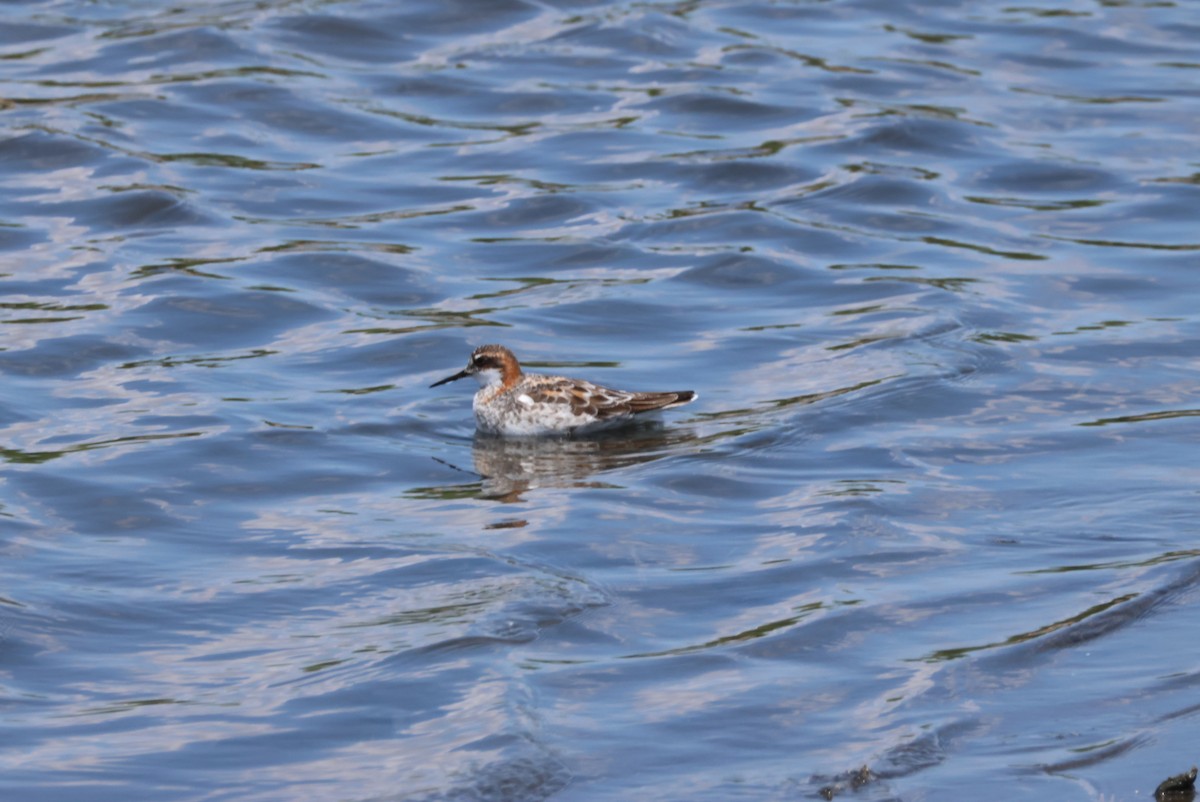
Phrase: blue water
(932, 267)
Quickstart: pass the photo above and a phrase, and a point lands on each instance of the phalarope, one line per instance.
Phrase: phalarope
(514, 403)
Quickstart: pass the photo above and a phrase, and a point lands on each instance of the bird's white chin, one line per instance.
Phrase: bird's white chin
(488, 378)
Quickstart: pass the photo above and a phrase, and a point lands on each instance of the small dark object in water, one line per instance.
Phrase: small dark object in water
(1180, 788)
(857, 778)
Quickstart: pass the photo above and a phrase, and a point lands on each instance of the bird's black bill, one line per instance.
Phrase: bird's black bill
(462, 374)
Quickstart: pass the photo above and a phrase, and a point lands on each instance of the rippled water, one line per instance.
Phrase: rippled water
(933, 268)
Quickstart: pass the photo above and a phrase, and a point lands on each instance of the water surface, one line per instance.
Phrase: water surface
(931, 266)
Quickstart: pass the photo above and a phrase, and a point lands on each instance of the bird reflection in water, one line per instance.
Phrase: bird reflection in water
(509, 467)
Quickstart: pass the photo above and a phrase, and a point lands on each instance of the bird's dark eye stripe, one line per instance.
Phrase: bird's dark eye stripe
(485, 361)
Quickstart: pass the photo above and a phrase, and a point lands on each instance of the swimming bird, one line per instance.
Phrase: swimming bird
(514, 403)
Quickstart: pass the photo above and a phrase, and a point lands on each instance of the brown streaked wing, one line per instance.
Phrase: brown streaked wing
(611, 403)
(648, 402)
(554, 391)
(601, 402)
